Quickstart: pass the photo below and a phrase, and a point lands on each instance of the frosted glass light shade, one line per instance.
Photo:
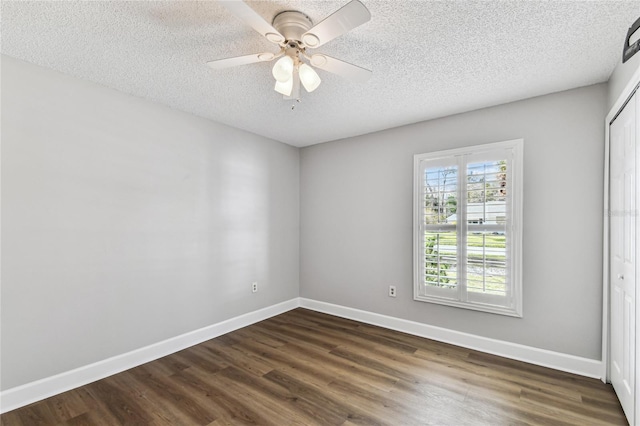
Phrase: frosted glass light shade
(309, 77)
(283, 69)
(284, 87)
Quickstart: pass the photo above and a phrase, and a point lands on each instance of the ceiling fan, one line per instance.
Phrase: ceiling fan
(294, 33)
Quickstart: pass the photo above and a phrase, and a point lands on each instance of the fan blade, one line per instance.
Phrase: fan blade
(253, 19)
(241, 60)
(350, 16)
(341, 68)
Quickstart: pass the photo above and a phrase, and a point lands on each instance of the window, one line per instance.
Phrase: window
(468, 227)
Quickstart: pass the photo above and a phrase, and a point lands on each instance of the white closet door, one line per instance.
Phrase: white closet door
(623, 211)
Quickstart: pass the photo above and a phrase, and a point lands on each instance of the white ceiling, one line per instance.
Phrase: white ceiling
(429, 59)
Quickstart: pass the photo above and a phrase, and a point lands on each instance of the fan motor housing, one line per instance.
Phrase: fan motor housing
(292, 24)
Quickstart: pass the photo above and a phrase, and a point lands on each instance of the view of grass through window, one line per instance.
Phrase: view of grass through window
(485, 243)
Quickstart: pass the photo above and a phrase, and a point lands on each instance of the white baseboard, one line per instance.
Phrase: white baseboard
(38, 390)
(556, 360)
(35, 391)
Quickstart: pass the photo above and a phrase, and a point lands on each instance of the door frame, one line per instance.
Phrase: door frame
(617, 107)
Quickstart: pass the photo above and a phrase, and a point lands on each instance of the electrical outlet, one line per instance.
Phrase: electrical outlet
(392, 291)
(254, 287)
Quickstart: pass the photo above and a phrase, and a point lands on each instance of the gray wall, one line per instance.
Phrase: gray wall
(125, 223)
(620, 78)
(356, 216)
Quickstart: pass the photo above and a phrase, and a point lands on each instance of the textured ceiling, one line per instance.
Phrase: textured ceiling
(429, 59)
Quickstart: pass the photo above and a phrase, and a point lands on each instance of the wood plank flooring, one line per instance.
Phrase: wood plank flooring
(308, 368)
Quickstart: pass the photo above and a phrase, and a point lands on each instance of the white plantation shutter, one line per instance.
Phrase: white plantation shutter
(467, 228)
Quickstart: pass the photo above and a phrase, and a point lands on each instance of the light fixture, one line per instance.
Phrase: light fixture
(283, 69)
(284, 87)
(290, 71)
(295, 93)
(296, 35)
(309, 77)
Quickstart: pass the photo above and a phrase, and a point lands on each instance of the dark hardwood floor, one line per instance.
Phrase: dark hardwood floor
(308, 368)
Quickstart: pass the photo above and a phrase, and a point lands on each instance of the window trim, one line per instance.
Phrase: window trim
(515, 226)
